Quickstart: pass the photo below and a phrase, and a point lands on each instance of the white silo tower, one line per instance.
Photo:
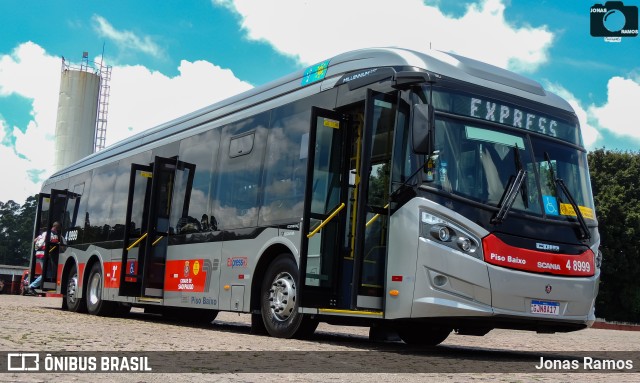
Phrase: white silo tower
(79, 103)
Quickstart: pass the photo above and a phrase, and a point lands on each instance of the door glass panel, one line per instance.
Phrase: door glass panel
(57, 214)
(137, 200)
(381, 128)
(155, 252)
(326, 172)
(323, 249)
(42, 221)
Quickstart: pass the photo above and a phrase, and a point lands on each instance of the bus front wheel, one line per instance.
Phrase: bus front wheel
(278, 301)
(423, 335)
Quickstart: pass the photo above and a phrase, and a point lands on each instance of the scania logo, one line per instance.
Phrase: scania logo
(548, 289)
(547, 247)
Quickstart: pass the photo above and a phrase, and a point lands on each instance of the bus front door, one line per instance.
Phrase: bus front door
(151, 192)
(344, 256)
(325, 212)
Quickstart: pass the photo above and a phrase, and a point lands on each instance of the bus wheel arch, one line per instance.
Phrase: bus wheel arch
(268, 256)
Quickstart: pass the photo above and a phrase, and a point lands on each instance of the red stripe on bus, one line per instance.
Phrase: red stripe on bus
(499, 253)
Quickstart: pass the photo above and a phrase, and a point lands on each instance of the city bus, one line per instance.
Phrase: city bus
(415, 193)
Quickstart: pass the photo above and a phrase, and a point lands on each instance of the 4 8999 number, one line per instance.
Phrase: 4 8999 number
(578, 266)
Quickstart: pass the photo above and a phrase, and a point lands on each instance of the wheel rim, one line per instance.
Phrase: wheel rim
(282, 296)
(95, 289)
(72, 289)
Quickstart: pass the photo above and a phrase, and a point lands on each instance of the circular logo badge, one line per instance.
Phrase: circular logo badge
(196, 267)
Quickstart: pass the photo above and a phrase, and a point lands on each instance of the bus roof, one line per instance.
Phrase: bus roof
(437, 62)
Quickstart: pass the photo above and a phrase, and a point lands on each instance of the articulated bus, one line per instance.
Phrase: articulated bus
(419, 193)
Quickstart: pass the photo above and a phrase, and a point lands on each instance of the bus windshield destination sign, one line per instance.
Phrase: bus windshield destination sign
(505, 114)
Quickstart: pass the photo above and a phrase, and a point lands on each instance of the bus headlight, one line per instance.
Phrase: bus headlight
(449, 234)
(464, 244)
(442, 233)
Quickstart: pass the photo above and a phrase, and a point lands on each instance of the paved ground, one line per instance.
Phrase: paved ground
(38, 324)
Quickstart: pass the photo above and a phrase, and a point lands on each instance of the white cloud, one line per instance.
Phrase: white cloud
(619, 114)
(30, 73)
(590, 134)
(140, 99)
(310, 33)
(126, 39)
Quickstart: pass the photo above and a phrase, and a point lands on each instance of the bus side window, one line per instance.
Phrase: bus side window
(200, 150)
(285, 166)
(242, 147)
(98, 218)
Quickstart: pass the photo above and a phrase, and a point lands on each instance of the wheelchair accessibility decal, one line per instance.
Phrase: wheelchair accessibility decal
(550, 205)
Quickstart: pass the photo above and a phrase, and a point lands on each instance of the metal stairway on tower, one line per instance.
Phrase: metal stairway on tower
(103, 108)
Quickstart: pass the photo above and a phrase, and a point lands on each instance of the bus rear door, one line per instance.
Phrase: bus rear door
(58, 206)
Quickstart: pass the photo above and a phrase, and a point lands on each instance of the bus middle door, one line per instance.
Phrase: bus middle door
(144, 255)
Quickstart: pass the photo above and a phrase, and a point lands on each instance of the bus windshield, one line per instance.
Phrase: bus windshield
(476, 161)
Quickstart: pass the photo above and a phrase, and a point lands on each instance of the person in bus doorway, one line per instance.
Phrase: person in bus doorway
(39, 243)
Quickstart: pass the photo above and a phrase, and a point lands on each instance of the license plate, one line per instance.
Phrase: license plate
(545, 307)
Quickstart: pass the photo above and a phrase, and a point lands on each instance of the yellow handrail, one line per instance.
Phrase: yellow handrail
(156, 241)
(373, 219)
(326, 221)
(137, 241)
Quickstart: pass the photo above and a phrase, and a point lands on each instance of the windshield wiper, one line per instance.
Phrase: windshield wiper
(509, 196)
(524, 191)
(558, 181)
(514, 185)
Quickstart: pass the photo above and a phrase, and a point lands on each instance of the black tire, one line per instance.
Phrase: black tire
(423, 335)
(96, 305)
(278, 301)
(189, 315)
(122, 309)
(73, 302)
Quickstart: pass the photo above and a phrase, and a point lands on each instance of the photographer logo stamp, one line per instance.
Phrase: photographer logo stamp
(614, 20)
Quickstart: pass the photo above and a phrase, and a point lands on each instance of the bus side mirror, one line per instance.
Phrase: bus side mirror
(422, 120)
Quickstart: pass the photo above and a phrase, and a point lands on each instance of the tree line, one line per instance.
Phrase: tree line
(16, 231)
(615, 179)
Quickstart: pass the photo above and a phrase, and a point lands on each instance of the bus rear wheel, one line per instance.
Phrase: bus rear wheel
(73, 302)
(96, 305)
(278, 300)
(423, 335)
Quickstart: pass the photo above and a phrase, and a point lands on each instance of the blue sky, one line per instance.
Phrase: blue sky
(171, 57)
